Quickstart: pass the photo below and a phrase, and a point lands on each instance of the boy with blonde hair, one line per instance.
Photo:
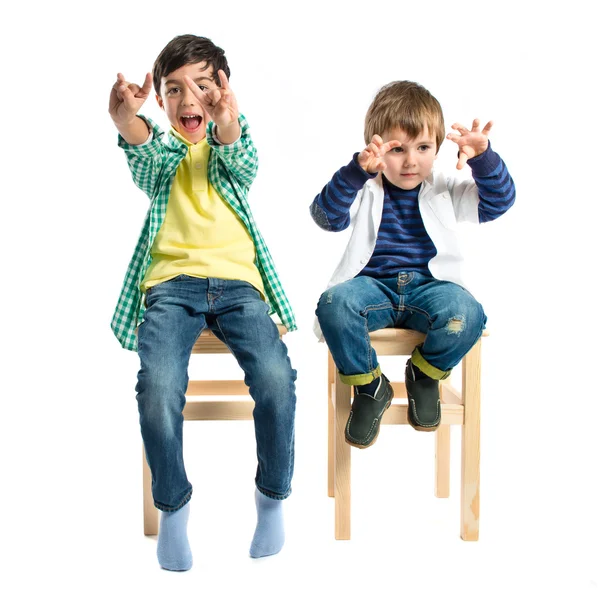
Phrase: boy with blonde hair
(201, 262)
(402, 265)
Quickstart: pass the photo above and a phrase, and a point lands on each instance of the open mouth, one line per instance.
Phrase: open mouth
(191, 123)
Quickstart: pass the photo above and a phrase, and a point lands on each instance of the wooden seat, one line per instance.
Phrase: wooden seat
(204, 410)
(458, 408)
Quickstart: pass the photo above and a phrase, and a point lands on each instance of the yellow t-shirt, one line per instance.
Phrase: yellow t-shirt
(201, 235)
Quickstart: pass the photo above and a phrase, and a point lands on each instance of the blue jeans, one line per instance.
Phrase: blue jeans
(452, 319)
(177, 311)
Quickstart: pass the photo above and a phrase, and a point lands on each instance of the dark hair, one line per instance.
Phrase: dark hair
(407, 105)
(185, 50)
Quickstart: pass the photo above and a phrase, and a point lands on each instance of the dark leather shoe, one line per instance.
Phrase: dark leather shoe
(363, 424)
(424, 408)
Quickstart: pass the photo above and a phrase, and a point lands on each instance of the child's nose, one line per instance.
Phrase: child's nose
(409, 158)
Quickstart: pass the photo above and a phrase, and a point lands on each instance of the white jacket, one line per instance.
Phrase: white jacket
(443, 202)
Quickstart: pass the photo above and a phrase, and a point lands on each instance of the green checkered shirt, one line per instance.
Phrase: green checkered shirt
(231, 171)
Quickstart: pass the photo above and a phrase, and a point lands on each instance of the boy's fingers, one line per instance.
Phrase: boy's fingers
(204, 101)
(120, 82)
(193, 87)
(488, 127)
(128, 97)
(461, 128)
(214, 96)
(147, 87)
(364, 157)
(373, 148)
(391, 144)
(198, 93)
(234, 102)
(376, 139)
(453, 137)
(462, 159)
(223, 79)
(475, 126)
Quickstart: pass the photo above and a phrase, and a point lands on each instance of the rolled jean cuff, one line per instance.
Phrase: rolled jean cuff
(361, 379)
(427, 368)
(166, 508)
(272, 495)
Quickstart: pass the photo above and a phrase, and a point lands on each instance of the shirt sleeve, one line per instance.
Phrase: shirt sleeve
(495, 186)
(330, 209)
(145, 160)
(240, 157)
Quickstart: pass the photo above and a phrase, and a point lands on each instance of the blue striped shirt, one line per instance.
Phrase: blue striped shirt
(402, 241)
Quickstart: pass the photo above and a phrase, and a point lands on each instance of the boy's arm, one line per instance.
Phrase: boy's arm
(240, 157)
(493, 186)
(134, 133)
(139, 137)
(228, 132)
(330, 210)
(145, 160)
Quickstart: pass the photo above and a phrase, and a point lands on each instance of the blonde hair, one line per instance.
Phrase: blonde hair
(407, 105)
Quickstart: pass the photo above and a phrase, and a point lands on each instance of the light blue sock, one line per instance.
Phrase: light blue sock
(269, 535)
(174, 552)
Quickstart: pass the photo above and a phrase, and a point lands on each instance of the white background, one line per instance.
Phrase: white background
(304, 75)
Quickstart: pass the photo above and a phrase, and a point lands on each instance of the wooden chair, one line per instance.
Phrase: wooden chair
(204, 410)
(458, 408)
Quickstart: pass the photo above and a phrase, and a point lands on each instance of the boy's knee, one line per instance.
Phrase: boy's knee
(275, 374)
(157, 387)
(456, 324)
(274, 385)
(461, 315)
(325, 298)
(334, 306)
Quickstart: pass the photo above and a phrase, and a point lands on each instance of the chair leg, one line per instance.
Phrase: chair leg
(342, 461)
(150, 511)
(331, 425)
(442, 461)
(471, 392)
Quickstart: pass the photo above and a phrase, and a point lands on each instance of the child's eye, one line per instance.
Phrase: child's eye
(173, 90)
(398, 150)
(203, 87)
(424, 148)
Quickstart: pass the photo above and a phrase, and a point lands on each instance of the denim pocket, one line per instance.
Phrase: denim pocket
(151, 290)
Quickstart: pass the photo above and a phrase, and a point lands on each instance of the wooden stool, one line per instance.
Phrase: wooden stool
(204, 410)
(458, 408)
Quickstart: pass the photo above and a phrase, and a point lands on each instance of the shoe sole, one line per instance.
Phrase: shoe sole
(420, 427)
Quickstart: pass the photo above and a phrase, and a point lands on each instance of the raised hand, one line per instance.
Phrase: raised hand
(371, 158)
(470, 143)
(219, 103)
(126, 99)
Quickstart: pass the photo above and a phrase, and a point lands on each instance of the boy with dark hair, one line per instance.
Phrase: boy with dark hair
(201, 262)
(402, 265)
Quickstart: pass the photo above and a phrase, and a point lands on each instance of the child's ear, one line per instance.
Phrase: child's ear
(160, 101)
